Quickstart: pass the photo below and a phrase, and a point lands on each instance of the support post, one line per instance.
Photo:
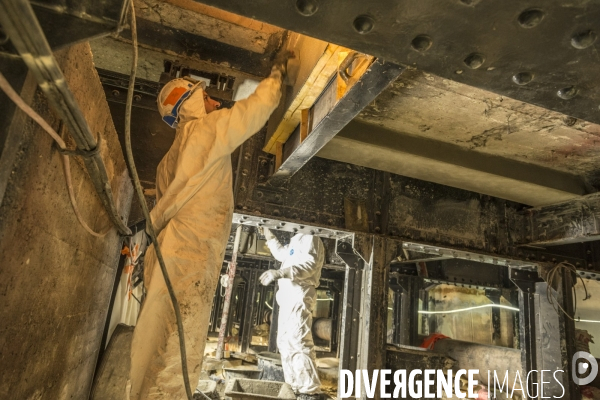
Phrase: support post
(406, 309)
(274, 323)
(228, 291)
(364, 315)
(248, 316)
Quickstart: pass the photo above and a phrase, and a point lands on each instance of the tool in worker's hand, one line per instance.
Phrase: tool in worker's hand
(293, 67)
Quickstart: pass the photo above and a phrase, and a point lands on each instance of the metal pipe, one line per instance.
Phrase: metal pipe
(228, 291)
(20, 23)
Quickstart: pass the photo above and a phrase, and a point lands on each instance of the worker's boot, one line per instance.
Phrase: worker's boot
(303, 396)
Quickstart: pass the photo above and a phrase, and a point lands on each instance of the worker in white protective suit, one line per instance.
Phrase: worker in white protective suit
(298, 279)
(192, 218)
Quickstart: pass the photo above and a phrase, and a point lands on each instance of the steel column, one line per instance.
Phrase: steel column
(248, 314)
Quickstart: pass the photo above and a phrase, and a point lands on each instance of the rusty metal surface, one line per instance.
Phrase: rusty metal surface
(539, 53)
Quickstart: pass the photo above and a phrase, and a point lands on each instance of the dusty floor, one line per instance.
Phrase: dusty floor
(216, 370)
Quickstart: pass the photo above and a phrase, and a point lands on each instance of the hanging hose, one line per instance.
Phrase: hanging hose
(140, 194)
(14, 96)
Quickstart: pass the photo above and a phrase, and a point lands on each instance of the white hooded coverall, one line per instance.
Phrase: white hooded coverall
(192, 217)
(296, 297)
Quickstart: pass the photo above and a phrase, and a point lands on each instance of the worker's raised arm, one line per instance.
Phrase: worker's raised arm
(235, 125)
(277, 250)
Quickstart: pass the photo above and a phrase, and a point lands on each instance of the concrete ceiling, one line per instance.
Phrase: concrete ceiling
(434, 129)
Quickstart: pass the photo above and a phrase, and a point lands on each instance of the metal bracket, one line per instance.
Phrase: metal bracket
(346, 252)
(524, 280)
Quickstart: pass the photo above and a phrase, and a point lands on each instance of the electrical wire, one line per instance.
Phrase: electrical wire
(14, 96)
(142, 200)
(591, 321)
(470, 309)
(552, 299)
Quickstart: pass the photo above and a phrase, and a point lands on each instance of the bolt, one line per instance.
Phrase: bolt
(137, 97)
(583, 40)
(567, 93)
(531, 18)
(263, 162)
(259, 194)
(243, 188)
(474, 60)
(421, 43)
(522, 78)
(245, 172)
(276, 213)
(116, 93)
(378, 213)
(307, 7)
(377, 229)
(363, 24)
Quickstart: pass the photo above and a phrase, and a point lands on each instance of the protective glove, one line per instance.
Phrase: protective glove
(280, 62)
(268, 234)
(269, 276)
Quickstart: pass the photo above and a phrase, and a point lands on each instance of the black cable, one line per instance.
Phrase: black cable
(140, 194)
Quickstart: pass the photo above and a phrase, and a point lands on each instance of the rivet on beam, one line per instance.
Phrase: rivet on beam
(307, 7)
(363, 24)
(531, 18)
(421, 43)
(583, 40)
(522, 78)
(567, 93)
(474, 60)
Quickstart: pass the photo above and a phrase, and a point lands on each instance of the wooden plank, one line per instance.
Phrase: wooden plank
(278, 155)
(304, 124)
(318, 64)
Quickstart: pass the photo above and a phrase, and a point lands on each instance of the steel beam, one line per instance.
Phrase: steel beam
(563, 223)
(496, 46)
(373, 81)
(430, 219)
(158, 36)
(68, 23)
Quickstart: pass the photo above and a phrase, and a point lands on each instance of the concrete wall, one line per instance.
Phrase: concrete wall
(55, 279)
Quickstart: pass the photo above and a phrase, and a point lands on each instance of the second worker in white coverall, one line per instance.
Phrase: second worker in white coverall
(192, 217)
(298, 279)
